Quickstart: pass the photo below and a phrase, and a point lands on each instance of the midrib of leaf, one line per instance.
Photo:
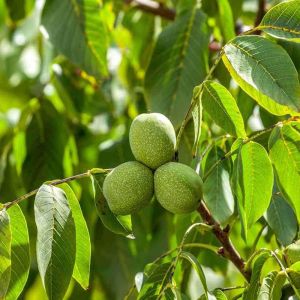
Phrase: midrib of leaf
(184, 47)
(278, 28)
(264, 68)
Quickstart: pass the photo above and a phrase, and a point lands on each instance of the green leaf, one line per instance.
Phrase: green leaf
(219, 295)
(253, 182)
(81, 272)
(16, 9)
(284, 146)
(76, 29)
(264, 71)
(197, 267)
(283, 21)
(20, 253)
(271, 286)
(226, 20)
(179, 62)
(222, 108)
(197, 120)
(119, 225)
(281, 218)
(217, 192)
(252, 291)
(56, 240)
(5, 252)
(158, 278)
(294, 276)
(47, 137)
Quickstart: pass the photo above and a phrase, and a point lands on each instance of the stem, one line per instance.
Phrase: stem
(54, 182)
(228, 250)
(153, 7)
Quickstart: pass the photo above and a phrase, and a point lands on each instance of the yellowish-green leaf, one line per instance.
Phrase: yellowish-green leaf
(284, 146)
(5, 252)
(266, 72)
(283, 21)
(20, 253)
(222, 108)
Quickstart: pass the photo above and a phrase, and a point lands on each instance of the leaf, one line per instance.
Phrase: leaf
(56, 240)
(20, 253)
(294, 277)
(158, 277)
(265, 72)
(251, 293)
(76, 29)
(47, 137)
(222, 108)
(81, 272)
(281, 218)
(283, 21)
(226, 20)
(179, 62)
(5, 252)
(217, 192)
(219, 295)
(284, 146)
(253, 183)
(16, 9)
(197, 120)
(197, 267)
(271, 286)
(119, 225)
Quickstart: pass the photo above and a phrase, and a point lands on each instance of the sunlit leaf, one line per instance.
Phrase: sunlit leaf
(56, 240)
(179, 62)
(222, 108)
(264, 71)
(20, 254)
(226, 20)
(5, 253)
(283, 21)
(81, 270)
(253, 182)
(284, 146)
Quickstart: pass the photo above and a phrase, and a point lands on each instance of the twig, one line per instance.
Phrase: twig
(227, 250)
(261, 12)
(55, 182)
(153, 7)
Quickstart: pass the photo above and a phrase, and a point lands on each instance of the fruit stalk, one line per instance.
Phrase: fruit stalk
(227, 250)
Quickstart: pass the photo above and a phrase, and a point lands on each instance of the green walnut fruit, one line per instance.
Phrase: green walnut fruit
(178, 188)
(152, 139)
(292, 253)
(128, 188)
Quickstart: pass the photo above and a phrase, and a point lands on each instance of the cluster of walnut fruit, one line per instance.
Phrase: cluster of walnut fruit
(130, 186)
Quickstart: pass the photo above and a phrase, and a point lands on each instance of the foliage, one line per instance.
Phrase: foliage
(73, 76)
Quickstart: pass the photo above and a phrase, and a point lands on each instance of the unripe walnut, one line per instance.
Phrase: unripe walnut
(178, 188)
(152, 139)
(128, 188)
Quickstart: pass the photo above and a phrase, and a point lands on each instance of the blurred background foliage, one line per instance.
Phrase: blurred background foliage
(57, 119)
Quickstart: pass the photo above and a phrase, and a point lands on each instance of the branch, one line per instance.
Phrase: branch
(153, 7)
(261, 12)
(227, 250)
(55, 182)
